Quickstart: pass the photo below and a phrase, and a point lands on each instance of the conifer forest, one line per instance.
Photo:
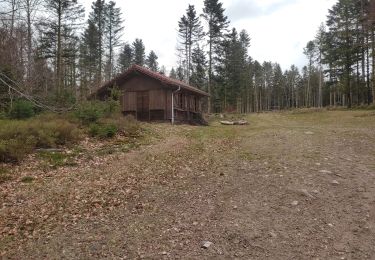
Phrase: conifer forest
(51, 55)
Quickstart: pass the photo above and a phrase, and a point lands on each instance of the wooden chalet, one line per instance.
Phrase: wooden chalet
(150, 96)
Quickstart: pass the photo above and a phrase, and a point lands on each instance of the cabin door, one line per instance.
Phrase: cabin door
(143, 106)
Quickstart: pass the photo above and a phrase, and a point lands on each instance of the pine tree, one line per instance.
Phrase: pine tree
(199, 69)
(163, 70)
(341, 23)
(89, 53)
(292, 78)
(278, 81)
(320, 39)
(139, 52)
(97, 18)
(126, 57)
(217, 23)
(310, 52)
(371, 21)
(258, 85)
(57, 34)
(30, 8)
(180, 73)
(173, 74)
(234, 72)
(190, 32)
(152, 61)
(113, 33)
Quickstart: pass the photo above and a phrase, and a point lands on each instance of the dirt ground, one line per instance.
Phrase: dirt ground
(293, 185)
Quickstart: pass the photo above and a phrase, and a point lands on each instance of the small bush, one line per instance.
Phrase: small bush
(109, 127)
(91, 112)
(94, 129)
(22, 109)
(131, 126)
(108, 131)
(104, 130)
(19, 138)
(15, 142)
(2, 115)
(27, 179)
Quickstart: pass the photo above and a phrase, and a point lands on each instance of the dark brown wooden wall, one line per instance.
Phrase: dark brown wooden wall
(139, 84)
(160, 99)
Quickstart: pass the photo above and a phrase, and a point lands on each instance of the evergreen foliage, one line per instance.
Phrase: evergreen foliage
(126, 57)
(66, 60)
(139, 52)
(152, 61)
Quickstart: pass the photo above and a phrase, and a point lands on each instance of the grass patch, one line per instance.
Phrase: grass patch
(106, 130)
(107, 150)
(27, 179)
(58, 159)
(5, 175)
(119, 147)
(117, 124)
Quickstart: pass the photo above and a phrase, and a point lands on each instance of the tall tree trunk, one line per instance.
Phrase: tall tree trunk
(13, 16)
(209, 88)
(373, 63)
(368, 86)
(320, 98)
(29, 45)
(58, 51)
(359, 81)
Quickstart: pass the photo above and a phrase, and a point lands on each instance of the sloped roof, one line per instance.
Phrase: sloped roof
(173, 83)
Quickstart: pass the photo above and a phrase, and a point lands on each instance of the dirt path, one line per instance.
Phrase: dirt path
(288, 186)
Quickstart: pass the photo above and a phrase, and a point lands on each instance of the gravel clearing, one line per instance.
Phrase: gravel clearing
(267, 190)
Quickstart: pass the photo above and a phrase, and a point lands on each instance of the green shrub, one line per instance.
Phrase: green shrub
(103, 130)
(127, 126)
(111, 107)
(2, 115)
(108, 131)
(94, 129)
(91, 112)
(63, 132)
(109, 127)
(19, 138)
(131, 126)
(16, 149)
(27, 179)
(22, 109)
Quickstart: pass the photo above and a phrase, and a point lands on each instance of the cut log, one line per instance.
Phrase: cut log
(227, 123)
(240, 122)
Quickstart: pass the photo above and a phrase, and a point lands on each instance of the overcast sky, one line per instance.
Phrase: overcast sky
(279, 29)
